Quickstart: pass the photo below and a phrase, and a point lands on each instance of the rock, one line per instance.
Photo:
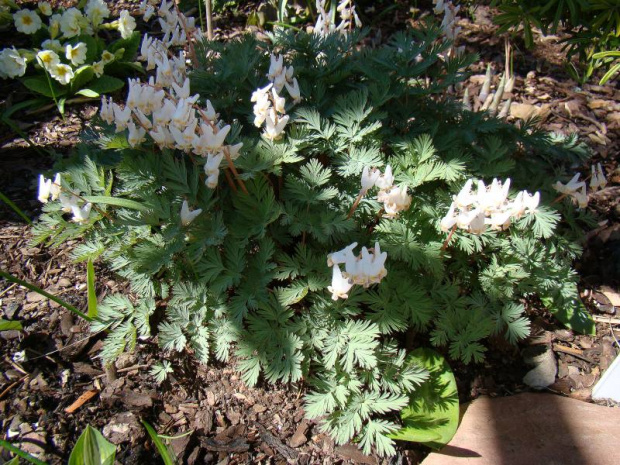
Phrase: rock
(612, 295)
(34, 297)
(123, 427)
(544, 372)
(64, 282)
(533, 429)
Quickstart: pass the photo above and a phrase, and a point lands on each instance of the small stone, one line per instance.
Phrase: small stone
(34, 297)
(123, 427)
(544, 372)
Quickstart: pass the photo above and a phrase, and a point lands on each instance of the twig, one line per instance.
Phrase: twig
(570, 351)
(88, 395)
(286, 451)
(355, 204)
(8, 289)
(11, 386)
(606, 319)
(209, 15)
(447, 241)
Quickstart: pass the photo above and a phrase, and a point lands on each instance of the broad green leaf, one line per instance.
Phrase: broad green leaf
(20, 453)
(81, 77)
(92, 448)
(432, 415)
(92, 294)
(130, 44)
(116, 201)
(87, 93)
(572, 313)
(105, 85)
(7, 325)
(41, 85)
(161, 447)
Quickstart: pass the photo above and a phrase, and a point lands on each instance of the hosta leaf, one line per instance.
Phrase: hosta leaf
(432, 415)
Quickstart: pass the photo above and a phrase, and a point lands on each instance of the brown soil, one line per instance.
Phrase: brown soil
(229, 422)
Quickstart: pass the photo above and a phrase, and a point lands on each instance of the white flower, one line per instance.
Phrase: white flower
(126, 24)
(71, 22)
(477, 225)
(279, 102)
(80, 215)
(27, 21)
(68, 202)
(211, 181)
(54, 26)
(233, 150)
(212, 166)
(275, 67)
(598, 180)
(12, 64)
(448, 221)
(580, 197)
(340, 286)
(48, 59)
(369, 178)
(136, 134)
(293, 90)
(122, 117)
(275, 126)
(99, 68)
(97, 11)
(394, 200)
(76, 54)
(55, 190)
(51, 44)
(386, 180)
(492, 197)
(187, 215)
(499, 220)
(465, 197)
(341, 256)
(570, 187)
(45, 8)
(62, 73)
(45, 187)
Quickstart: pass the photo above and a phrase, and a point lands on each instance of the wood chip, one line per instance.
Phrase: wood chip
(88, 395)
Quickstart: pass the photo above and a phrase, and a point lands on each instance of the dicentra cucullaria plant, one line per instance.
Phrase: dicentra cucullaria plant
(236, 198)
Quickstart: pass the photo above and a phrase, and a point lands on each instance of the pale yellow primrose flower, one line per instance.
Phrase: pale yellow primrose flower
(27, 21)
(76, 54)
(45, 8)
(12, 64)
(54, 25)
(97, 11)
(48, 59)
(107, 57)
(62, 73)
(126, 24)
(71, 22)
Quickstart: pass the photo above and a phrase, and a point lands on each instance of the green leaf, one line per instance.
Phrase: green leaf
(92, 448)
(92, 294)
(432, 415)
(41, 85)
(20, 453)
(82, 75)
(116, 201)
(130, 44)
(8, 325)
(161, 447)
(572, 313)
(105, 85)
(88, 93)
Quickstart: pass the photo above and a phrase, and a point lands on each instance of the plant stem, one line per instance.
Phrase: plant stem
(355, 204)
(209, 15)
(447, 241)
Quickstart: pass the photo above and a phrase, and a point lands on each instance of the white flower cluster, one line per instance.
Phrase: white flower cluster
(365, 269)
(448, 24)
(394, 198)
(66, 25)
(489, 206)
(174, 24)
(164, 109)
(71, 203)
(269, 105)
(577, 189)
(348, 18)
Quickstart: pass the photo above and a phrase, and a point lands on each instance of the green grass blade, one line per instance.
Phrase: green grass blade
(15, 208)
(24, 455)
(161, 447)
(118, 202)
(8, 325)
(92, 294)
(32, 287)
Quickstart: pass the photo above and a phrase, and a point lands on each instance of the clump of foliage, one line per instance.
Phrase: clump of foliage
(244, 273)
(593, 28)
(74, 51)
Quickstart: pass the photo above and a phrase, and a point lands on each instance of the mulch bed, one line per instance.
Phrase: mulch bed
(53, 361)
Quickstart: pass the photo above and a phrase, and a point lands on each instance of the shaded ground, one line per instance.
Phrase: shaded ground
(230, 422)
